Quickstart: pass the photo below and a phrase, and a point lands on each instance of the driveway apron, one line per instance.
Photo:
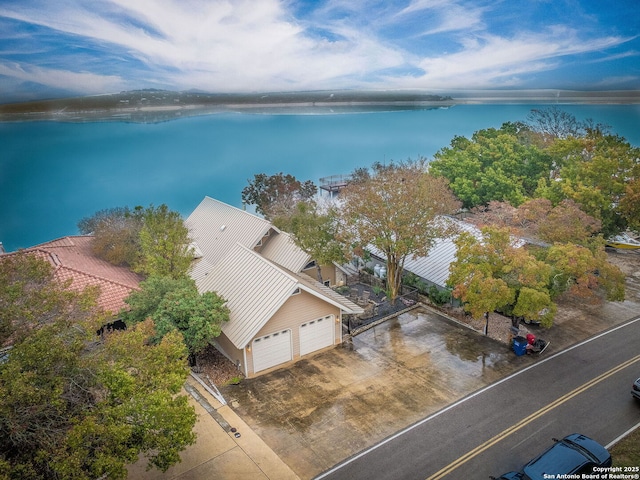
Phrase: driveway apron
(326, 408)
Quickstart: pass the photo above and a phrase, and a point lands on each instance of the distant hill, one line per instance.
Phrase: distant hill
(153, 105)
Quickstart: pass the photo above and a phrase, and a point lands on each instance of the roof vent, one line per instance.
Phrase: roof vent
(222, 228)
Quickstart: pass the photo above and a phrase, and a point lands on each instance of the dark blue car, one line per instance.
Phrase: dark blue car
(574, 454)
(635, 389)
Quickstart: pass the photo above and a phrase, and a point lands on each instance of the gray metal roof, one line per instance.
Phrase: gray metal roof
(281, 249)
(254, 288)
(434, 267)
(252, 265)
(216, 227)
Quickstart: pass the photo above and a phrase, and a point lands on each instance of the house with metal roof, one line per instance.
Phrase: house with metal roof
(278, 313)
(433, 268)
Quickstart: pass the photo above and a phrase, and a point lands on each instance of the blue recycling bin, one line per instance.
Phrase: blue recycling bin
(520, 345)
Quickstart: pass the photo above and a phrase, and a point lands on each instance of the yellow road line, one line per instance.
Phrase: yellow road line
(525, 421)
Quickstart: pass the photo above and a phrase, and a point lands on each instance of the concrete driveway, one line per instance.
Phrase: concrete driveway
(331, 406)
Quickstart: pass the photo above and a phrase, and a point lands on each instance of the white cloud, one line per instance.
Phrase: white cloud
(83, 82)
(260, 45)
(493, 61)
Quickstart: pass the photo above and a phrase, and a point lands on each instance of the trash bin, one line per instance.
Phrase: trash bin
(520, 345)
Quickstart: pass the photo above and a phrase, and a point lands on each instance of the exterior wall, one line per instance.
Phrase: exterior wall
(328, 273)
(231, 352)
(300, 308)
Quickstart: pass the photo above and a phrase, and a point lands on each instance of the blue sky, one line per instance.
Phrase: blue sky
(85, 47)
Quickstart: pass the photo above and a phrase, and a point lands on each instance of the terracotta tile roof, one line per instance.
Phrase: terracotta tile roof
(73, 259)
(75, 252)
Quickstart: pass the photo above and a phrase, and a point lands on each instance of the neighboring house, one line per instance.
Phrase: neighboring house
(278, 313)
(72, 259)
(433, 268)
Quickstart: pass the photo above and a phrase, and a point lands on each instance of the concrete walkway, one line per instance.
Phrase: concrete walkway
(218, 453)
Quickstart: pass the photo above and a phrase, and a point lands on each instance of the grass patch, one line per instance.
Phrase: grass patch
(626, 453)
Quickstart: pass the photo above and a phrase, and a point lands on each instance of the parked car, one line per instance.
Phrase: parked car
(635, 389)
(574, 454)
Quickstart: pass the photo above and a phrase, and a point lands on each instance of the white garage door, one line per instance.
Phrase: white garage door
(316, 334)
(272, 350)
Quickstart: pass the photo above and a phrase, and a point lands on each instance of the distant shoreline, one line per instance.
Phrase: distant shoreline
(154, 106)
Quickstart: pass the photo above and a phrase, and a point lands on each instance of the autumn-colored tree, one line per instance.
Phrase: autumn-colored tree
(539, 219)
(493, 271)
(536, 276)
(630, 204)
(397, 210)
(595, 171)
(584, 273)
(495, 164)
(116, 234)
(277, 195)
(176, 304)
(315, 231)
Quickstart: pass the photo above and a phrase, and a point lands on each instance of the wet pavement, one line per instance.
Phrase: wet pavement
(333, 405)
(326, 408)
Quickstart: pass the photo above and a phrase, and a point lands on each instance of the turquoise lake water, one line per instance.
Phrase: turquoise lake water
(53, 174)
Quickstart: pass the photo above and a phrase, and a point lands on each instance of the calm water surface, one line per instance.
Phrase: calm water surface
(53, 174)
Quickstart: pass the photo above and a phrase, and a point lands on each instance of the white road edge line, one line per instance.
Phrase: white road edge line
(616, 440)
(469, 397)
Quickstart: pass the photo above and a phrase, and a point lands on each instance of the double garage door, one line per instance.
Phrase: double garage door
(276, 348)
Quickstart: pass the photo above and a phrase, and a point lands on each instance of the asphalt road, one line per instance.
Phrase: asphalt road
(583, 389)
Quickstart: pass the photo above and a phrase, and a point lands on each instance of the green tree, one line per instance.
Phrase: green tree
(165, 246)
(276, 195)
(116, 234)
(495, 164)
(314, 231)
(73, 405)
(397, 210)
(31, 297)
(76, 408)
(175, 304)
(595, 172)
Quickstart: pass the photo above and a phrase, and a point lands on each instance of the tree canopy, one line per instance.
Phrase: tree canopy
(315, 231)
(396, 210)
(596, 171)
(495, 272)
(495, 164)
(30, 297)
(116, 234)
(152, 240)
(165, 246)
(175, 304)
(275, 195)
(539, 219)
(78, 406)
